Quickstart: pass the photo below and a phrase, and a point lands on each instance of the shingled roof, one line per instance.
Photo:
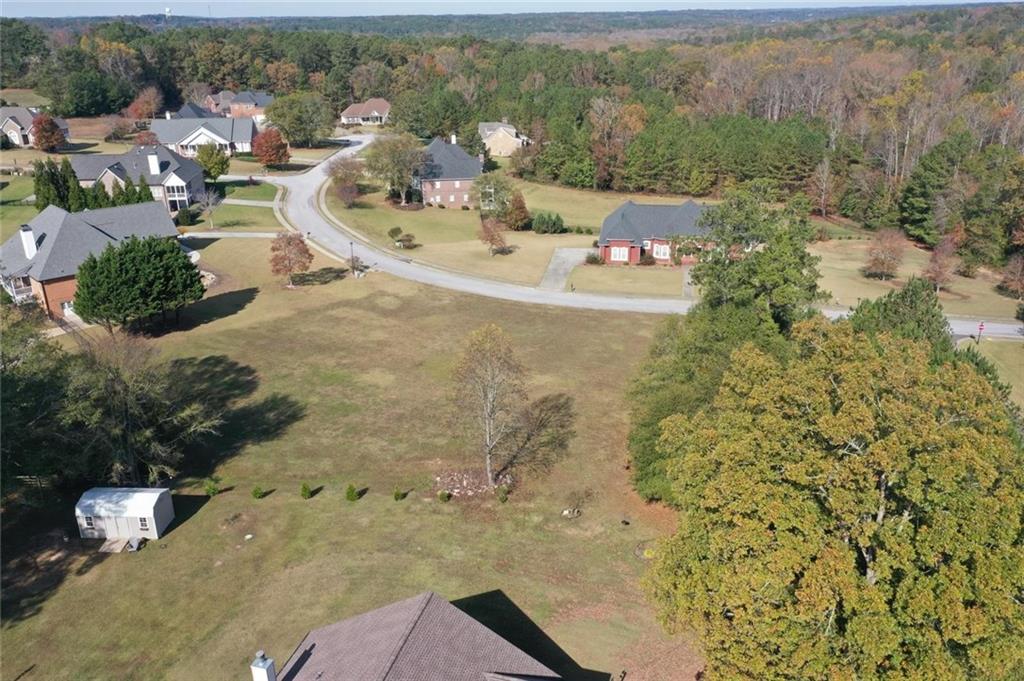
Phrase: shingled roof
(449, 162)
(135, 164)
(375, 106)
(635, 222)
(172, 131)
(64, 240)
(24, 116)
(193, 110)
(259, 98)
(424, 638)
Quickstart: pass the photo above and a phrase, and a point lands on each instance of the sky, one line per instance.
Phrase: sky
(254, 8)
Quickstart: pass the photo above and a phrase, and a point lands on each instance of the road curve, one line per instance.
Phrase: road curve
(302, 206)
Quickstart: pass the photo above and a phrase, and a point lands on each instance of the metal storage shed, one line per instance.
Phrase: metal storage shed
(124, 512)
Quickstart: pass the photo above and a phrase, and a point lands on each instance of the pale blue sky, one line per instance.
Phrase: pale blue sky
(252, 8)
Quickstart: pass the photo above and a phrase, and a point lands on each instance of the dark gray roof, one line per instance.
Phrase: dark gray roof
(193, 110)
(424, 638)
(258, 98)
(176, 129)
(638, 221)
(135, 163)
(449, 162)
(64, 240)
(23, 116)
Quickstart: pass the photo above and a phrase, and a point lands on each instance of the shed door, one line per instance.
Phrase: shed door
(118, 527)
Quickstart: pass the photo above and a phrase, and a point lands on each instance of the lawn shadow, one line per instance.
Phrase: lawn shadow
(497, 612)
(267, 492)
(199, 244)
(185, 506)
(324, 275)
(212, 308)
(315, 491)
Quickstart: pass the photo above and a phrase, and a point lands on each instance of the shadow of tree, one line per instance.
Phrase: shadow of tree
(324, 275)
(497, 612)
(207, 310)
(542, 434)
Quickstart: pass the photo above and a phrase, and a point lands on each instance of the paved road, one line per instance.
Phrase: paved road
(302, 210)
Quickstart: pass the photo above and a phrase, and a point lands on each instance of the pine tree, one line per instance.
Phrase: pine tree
(117, 195)
(143, 192)
(98, 197)
(130, 194)
(42, 185)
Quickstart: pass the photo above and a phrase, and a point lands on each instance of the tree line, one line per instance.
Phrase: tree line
(58, 185)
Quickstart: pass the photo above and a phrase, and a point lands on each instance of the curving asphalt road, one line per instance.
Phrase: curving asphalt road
(302, 207)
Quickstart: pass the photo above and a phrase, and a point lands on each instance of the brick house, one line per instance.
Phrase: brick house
(42, 259)
(447, 174)
(219, 102)
(374, 111)
(250, 105)
(636, 229)
(174, 180)
(16, 125)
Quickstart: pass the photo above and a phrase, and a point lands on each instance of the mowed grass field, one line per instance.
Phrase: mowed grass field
(345, 382)
(14, 213)
(260, 191)
(229, 218)
(22, 97)
(1008, 356)
(638, 281)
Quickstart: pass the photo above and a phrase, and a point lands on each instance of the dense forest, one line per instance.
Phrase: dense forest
(912, 120)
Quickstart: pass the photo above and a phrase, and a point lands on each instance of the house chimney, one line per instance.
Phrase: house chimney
(167, 114)
(28, 241)
(262, 668)
(154, 163)
(454, 139)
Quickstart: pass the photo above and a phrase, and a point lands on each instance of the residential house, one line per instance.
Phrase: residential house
(250, 105)
(374, 111)
(124, 512)
(219, 102)
(16, 125)
(174, 180)
(501, 139)
(636, 229)
(42, 259)
(424, 638)
(186, 135)
(193, 110)
(447, 174)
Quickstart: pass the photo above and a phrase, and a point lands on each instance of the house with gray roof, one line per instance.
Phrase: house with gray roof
(193, 110)
(16, 125)
(425, 638)
(374, 111)
(501, 139)
(219, 102)
(186, 135)
(252, 105)
(447, 174)
(636, 229)
(174, 180)
(42, 259)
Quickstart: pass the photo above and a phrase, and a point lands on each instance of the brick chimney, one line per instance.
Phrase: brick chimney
(28, 241)
(262, 668)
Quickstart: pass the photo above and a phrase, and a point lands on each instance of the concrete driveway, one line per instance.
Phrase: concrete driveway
(563, 260)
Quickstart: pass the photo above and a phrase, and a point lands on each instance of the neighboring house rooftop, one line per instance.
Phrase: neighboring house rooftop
(172, 131)
(638, 221)
(485, 130)
(223, 97)
(375, 106)
(23, 116)
(446, 161)
(422, 638)
(64, 240)
(193, 110)
(258, 98)
(119, 501)
(135, 163)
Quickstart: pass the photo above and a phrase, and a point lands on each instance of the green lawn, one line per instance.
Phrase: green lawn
(228, 218)
(13, 213)
(341, 383)
(22, 97)
(240, 189)
(1008, 356)
(24, 158)
(639, 281)
(247, 165)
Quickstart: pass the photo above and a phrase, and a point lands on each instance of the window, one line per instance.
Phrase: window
(647, 245)
(437, 184)
(465, 197)
(620, 254)
(144, 524)
(89, 522)
(662, 251)
(451, 198)
(456, 184)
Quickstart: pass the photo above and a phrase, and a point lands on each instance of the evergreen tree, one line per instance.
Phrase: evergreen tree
(930, 177)
(143, 192)
(130, 194)
(913, 312)
(117, 197)
(97, 196)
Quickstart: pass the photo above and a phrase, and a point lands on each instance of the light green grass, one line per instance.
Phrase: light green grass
(228, 218)
(261, 191)
(13, 213)
(638, 281)
(367, 363)
(22, 97)
(251, 167)
(24, 158)
(1008, 356)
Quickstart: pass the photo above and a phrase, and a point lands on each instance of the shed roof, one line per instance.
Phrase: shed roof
(638, 221)
(172, 131)
(449, 162)
(135, 164)
(418, 639)
(119, 501)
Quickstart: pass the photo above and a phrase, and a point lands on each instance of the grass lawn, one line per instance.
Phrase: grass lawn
(247, 165)
(639, 281)
(24, 158)
(13, 213)
(842, 259)
(317, 153)
(22, 97)
(228, 218)
(1008, 356)
(239, 189)
(329, 390)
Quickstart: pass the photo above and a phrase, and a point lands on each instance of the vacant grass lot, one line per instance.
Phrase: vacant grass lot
(228, 218)
(22, 97)
(14, 213)
(1008, 356)
(24, 158)
(342, 383)
(639, 281)
(240, 189)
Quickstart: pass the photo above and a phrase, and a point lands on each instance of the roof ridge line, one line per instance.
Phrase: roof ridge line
(405, 636)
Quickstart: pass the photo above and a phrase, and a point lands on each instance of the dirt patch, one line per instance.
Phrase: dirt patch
(658, 658)
(469, 483)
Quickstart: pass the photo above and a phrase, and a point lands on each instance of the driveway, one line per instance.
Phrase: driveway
(302, 209)
(563, 260)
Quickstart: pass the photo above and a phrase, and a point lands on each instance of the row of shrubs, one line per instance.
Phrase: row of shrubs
(552, 223)
(352, 493)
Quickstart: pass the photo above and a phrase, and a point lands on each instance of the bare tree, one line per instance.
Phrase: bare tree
(492, 233)
(1013, 276)
(207, 203)
(489, 391)
(823, 185)
(289, 254)
(885, 255)
(942, 264)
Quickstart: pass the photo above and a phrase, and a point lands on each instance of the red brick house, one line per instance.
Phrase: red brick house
(250, 105)
(636, 229)
(447, 174)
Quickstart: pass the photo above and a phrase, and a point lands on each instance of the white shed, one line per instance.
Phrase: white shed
(124, 512)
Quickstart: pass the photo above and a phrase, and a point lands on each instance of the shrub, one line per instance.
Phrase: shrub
(595, 243)
(444, 496)
(548, 223)
(185, 217)
(577, 230)
(394, 233)
(1020, 312)
(465, 208)
(588, 230)
(305, 492)
(594, 259)
(257, 492)
(441, 205)
(646, 260)
(502, 493)
(351, 493)
(398, 494)
(211, 486)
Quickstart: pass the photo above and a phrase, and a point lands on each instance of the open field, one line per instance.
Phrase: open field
(1008, 356)
(337, 383)
(317, 153)
(228, 218)
(22, 97)
(639, 281)
(24, 158)
(13, 213)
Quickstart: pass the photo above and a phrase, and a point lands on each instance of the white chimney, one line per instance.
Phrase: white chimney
(167, 114)
(262, 668)
(154, 164)
(28, 241)
(454, 139)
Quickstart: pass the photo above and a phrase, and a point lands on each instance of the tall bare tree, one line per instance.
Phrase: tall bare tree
(942, 263)
(885, 254)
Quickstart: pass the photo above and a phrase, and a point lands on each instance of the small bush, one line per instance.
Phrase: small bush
(596, 243)
(398, 494)
(257, 492)
(548, 223)
(588, 230)
(647, 260)
(502, 493)
(441, 205)
(305, 491)
(444, 496)
(594, 259)
(465, 208)
(351, 493)
(577, 230)
(394, 233)
(211, 486)
(1020, 312)
(185, 217)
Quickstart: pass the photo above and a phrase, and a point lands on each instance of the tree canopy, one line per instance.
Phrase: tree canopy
(304, 118)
